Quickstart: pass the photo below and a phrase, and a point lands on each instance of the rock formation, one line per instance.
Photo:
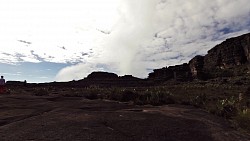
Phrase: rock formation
(196, 67)
(106, 79)
(102, 76)
(178, 72)
(16, 83)
(230, 58)
(161, 74)
(232, 52)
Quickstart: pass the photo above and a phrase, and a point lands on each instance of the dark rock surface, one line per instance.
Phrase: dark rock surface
(25, 117)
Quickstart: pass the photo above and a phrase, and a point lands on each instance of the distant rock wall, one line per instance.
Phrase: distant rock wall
(102, 75)
(230, 53)
(161, 74)
(178, 72)
(16, 83)
(196, 67)
(224, 59)
(106, 79)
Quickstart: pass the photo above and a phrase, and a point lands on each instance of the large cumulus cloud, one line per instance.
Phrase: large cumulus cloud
(152, 34)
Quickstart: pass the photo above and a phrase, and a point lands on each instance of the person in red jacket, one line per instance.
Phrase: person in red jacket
(2, 85)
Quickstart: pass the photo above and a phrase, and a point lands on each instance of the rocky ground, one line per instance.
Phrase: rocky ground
(27, 117)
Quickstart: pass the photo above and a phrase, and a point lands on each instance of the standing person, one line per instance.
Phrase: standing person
(2, 85)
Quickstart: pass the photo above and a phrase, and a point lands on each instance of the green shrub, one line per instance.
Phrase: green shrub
(92, 92)
(155, 97)
(165, 97)
(128, 95)
(227, 108)
(199, 101)
(114, 94)
(41, 92)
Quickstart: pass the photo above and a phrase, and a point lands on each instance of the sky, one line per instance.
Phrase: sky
(64, 40)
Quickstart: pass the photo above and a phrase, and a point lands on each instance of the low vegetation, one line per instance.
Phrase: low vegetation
(41, 91)
(230, 101)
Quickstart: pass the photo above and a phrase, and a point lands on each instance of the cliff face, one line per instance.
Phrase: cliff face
(178, 72)
(196, 67)
(161, 74)
(224, 59)
(230, 53)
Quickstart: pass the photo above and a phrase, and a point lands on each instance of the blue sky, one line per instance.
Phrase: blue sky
(31, 72)
(52, 40)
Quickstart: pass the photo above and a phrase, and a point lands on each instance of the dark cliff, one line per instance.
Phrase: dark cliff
(106, 79)
(228, 59)
(196, 67)
(178, 72)
(102, 76)
(232, 52)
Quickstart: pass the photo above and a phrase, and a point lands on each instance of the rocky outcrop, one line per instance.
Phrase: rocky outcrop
(232, 52)
(181, 72)
(178, 72)
(106, 79)
(129, 77)
(161, 74)
(102, 75)
(196, 67)
(230, 58)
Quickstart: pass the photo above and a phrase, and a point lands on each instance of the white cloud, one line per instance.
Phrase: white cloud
(50, 24)
(79, 71)
(183, 29)
(127, 36)
(16, 74)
